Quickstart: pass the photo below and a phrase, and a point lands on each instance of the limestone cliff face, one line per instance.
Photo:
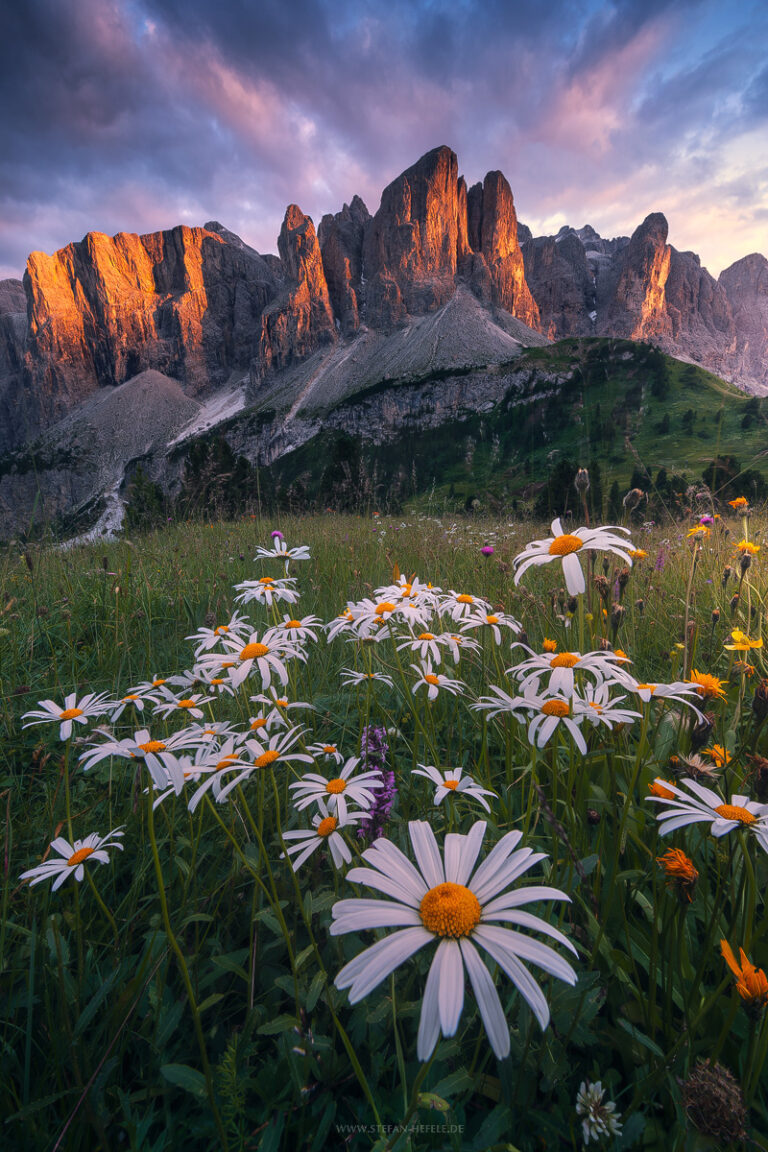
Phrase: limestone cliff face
(410, 245)
(638, 308)
(500, 250)
(745, 284)
(185, 302)
(562, 285)
(341, 242)
(301, 318)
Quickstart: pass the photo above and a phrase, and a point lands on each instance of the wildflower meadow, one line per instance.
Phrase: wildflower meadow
(386, 834)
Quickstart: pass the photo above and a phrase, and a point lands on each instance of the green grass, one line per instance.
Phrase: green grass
(186, 996)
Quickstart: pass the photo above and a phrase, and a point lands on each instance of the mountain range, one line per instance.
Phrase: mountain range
(126, 349)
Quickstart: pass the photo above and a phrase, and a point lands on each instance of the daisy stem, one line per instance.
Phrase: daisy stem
(760, 1052)
(184, 970)
(403, 1125)
(750, 890)
(686, 639)
(103, 906)
(398, 1042)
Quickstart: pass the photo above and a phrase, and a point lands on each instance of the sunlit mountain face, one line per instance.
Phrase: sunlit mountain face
(138, 115)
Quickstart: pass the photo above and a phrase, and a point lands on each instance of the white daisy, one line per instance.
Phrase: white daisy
(337, 792)
(276, 709)
(299, 630)
(281, 551)
(160, 756)
(267, 591)
(352, 679)
(324, 830)
(132, 700)
(74, 711)
(706, 806)
(494, 621)
(208, 638)
(267, 652)
(435, 682)
(344, 622)
(451, 781)
(679, 691)
(167, 703)
(564, 546)
(325, 752)
(449, 901)
(72, 858)
(264, 752)
(597, 707)
(562, 666)
(547, 712)
(461, 606)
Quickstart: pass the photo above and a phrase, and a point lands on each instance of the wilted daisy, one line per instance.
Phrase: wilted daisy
(74, 711)
(704, 805)
(451, 781)
(434, 682)
(565, 545)
(267, 591)
(324, 830)
(336, 792)
(446, 900)
(72, 858)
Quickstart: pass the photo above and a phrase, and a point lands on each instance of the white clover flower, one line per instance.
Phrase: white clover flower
(451, 781)
(564, 546)
(599, 1119)
(446, 900)
(74, 711)
(72, 858)
(324, 830)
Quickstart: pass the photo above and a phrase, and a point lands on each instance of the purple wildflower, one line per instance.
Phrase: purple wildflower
(660, 560)
(487, 550)
(277, 534)
(373, 750)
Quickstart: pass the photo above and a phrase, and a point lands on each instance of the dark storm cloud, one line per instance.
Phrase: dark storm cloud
(139, 114)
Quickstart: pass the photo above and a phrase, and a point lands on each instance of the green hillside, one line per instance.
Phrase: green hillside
(634, 416)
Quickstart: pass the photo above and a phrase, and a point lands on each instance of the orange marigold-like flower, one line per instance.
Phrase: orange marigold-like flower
(751, 982)
(739, 503)
(706, 685)
(549, 645)
(681, 873)
(746, 548)
(719, 754)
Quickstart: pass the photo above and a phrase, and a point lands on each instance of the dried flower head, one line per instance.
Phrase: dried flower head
(581, 483)
(697, 767)
(713, 1102)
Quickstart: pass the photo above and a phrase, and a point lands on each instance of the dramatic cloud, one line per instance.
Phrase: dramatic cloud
(136, 115)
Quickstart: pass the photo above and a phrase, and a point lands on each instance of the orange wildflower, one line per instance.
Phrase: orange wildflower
(751, 982)
(739, 503)
(681, 874)
(719, 754)
(549, 645)
(706, 685)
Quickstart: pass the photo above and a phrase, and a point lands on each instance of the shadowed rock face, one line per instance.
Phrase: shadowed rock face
(560, 280)
(341, 242)
(745, 285)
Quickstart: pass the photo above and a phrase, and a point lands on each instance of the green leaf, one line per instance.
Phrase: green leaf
(187, 1078)
(315, 988)
(270, 1141)
(641, 1038)
(274, 1027)
(433, 1102)
(210, 1001)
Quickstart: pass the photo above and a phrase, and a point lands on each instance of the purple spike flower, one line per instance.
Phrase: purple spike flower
(373, 750)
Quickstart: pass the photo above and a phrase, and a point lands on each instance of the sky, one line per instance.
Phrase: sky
(137, 115)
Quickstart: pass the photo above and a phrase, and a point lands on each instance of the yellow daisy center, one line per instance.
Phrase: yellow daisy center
(293, 624)
(266, 758)
(157, 683)
(79, 856)
(253, 651)
(657, 789)
(564, 545)
(70, 713)
(465, 599)
(326, 826)
(259, 722)
(647, 687)
(427, 636)
(452, 784)
(336, 786)
(491, 619)
(185, 703)
(153, 746)
(329, 749)
(430, 678)
(125, 698)
(555, 708)
(735, 812)
(221, 629)
(266, 580)
(450, 910)
(564, 660)
(225, 763)
(218, 680)
(385, 606)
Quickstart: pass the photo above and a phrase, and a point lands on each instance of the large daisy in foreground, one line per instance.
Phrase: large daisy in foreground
(449, 901)
(565, 546)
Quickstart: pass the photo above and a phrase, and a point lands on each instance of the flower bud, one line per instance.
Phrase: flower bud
(760, 700)
(581, 483)
(715, 616)
(640, 606)
(727, 573)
